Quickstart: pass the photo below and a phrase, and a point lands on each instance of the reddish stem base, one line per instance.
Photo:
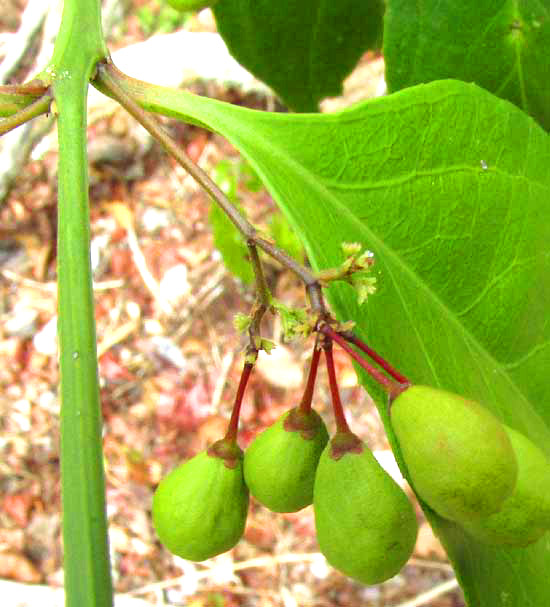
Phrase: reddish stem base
(391, 387)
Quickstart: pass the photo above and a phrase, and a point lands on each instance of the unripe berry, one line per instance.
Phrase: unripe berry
(200, 508)
(525, 516)
(366, 526)
(457, 453)
(280, 463)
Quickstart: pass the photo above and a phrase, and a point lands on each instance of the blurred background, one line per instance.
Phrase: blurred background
(170, 274)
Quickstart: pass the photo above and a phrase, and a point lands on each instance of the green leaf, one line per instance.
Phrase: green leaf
(449, 187)
(230, 244)
(190, 5)
(285, 237)
(302, 49)
(227, 238)
(502, 45)
(242, 322)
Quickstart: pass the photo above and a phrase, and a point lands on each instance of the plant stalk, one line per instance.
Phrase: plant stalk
(36, 108)
(263, 296)
(107, 77)
(390, 387)
(307, 397)
(339, 415)
(87, 573)
(17, 97)
(353, 339)
(233, 427)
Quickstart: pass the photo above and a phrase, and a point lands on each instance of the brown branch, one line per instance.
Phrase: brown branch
(108, 78)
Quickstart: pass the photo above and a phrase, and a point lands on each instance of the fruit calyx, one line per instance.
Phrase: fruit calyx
(345, 442)
(399, 390)
(228, 450)
(307, 424)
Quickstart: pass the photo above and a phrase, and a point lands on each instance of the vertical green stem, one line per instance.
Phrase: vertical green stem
(79, 46)
(87, 571)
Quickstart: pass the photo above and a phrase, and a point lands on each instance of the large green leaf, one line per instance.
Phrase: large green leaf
(502, 45)
(302, 48)
(450, 187)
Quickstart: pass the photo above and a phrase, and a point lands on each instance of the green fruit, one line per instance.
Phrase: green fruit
(458, 455)
(525, 516)
(280, 463)
(366, 526)
(200, 508)
(190, 5)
